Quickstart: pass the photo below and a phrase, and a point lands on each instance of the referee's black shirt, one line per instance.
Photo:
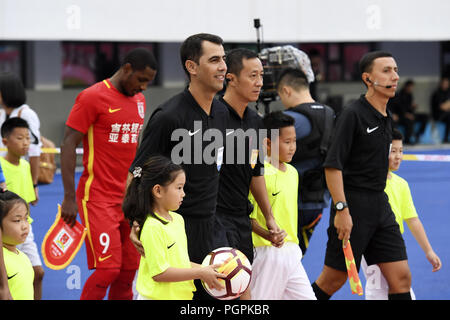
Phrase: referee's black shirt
(360, 146)
(202, 180)
(235, 178)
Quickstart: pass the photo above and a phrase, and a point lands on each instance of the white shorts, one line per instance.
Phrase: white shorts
(377, 287)
(29, 247)
(278, 274)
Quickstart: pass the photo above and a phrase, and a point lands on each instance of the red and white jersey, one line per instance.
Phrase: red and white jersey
(111, 123)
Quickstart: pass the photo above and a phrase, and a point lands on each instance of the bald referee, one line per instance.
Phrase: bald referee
(356, 168)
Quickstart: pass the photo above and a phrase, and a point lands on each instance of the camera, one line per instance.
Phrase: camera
(274, 60)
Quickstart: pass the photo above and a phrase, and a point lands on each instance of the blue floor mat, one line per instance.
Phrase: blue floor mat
(429, 183)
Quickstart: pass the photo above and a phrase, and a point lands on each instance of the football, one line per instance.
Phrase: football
(236, 266)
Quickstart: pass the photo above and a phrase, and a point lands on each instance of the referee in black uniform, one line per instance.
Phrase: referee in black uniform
(202, 57)
(244, 170)
(356, 168)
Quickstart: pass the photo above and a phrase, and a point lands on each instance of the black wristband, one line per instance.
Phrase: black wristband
(35, 186)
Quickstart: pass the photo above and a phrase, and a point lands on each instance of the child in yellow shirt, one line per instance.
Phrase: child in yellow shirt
(277, 270)
(15, 228)
(166, 272)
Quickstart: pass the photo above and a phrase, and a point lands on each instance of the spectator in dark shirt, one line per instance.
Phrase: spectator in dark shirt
(403, 110)
(440, 105)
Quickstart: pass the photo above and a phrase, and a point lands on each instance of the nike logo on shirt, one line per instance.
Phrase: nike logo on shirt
(192, 133)
(168, 247)
(113, 110)
(9, 278)
(274, 194)
(371, 130)
(101, 259)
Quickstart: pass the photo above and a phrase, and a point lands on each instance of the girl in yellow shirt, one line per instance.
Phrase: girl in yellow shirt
(165, 272)
(15, 228)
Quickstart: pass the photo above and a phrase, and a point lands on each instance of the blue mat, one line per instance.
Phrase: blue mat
(429, 183)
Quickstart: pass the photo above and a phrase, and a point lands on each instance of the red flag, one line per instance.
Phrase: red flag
(61, 243)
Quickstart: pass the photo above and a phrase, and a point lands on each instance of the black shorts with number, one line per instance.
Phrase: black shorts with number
(375, 233)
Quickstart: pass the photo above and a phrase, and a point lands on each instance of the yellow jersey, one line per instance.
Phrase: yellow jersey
(400, 199)
(20, 275)
(282, 190)
(165, 246)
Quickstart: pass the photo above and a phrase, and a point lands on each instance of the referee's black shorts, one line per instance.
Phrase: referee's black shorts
(234, 231)
(375, 233)
(199, 233)
(199, 236)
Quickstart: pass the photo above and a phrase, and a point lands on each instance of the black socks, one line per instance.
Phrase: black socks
(400, 296)
(320, 295)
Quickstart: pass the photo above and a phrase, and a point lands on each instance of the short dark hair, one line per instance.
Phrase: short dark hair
(397, 135)
(366, 62)
(7, 200)
(293, 77)
(12, 90)
(276, 120)
(191, 48)
(140, 58)
(235, 57)
(9, 125)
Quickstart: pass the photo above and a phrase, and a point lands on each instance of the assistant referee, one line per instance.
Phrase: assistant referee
(356, 168)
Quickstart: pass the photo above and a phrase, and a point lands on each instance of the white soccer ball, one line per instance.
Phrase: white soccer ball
(236, 266)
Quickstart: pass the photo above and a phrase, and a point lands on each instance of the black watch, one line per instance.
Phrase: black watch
(339, 206)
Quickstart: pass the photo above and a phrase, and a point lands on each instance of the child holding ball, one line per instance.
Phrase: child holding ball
(165, 272)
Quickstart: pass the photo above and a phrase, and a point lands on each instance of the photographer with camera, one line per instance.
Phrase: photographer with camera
(288, 73)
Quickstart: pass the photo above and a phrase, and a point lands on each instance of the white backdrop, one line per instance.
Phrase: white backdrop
(174, 20)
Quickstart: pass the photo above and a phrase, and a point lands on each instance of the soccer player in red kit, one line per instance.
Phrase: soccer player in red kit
(107, 118)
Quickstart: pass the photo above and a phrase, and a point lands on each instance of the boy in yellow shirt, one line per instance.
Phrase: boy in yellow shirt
(16, 138)
(277, 271)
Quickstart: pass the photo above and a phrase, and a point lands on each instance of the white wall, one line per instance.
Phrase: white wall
(174, 20)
